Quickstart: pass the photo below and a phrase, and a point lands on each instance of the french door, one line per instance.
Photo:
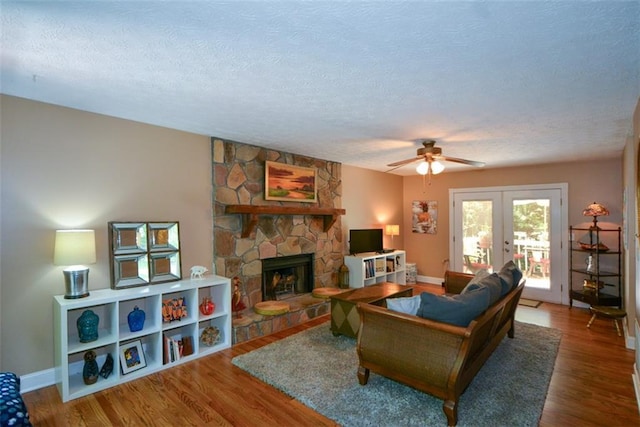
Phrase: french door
(525, 224)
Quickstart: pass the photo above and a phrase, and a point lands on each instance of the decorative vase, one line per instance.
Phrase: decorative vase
(90, 369)
(136, 319)
(107, 367)
(88, 326)
(207, 306)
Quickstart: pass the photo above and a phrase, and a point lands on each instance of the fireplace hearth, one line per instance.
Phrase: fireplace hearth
(287, 276)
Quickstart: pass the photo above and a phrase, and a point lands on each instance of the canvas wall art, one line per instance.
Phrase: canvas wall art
(290, 183)
(424, 216)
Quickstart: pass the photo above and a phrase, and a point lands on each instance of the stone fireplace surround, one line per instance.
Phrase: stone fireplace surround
(238, 179)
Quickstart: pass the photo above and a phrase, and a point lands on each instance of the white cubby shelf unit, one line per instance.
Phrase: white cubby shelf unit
(113, 307)
(371, 268)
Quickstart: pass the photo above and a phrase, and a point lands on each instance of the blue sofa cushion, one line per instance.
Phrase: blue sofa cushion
(457, 310)
(13, 411)
(510, 275)
(492, 282)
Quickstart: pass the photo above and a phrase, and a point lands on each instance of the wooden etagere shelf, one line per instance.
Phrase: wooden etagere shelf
(113, 306)
(250, 214)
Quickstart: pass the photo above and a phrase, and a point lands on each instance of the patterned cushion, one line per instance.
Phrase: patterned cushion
(13, 411)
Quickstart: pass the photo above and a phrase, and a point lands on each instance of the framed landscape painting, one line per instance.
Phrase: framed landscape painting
(290, 183)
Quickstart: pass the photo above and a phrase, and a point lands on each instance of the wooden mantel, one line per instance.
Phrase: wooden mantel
(250, 214)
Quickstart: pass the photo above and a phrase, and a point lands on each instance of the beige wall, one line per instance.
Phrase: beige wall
(371, 200)
(63, 168)
(585, 186)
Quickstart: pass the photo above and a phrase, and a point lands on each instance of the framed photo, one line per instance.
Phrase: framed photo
(132, 357)
(290, 183)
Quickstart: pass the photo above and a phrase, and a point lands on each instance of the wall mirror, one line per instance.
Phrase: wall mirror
(143, 253)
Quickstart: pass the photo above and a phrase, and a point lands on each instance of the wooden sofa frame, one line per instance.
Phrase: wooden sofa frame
(434, 357)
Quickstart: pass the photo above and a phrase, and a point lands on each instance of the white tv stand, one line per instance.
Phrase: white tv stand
(371, 268)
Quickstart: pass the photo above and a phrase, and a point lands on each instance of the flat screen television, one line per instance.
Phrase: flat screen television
(361, 241)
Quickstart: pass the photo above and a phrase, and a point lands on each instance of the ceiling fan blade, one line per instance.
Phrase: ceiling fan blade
(404, 162)
(463, 161)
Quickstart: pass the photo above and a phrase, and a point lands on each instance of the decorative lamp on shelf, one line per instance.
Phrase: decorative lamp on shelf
(392, 230)
(74, 249)
(595, 210)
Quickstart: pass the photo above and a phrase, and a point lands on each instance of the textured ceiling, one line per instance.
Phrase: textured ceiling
(507, 83)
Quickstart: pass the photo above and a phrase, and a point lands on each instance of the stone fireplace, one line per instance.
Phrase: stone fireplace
(242, 241)
(287, 276)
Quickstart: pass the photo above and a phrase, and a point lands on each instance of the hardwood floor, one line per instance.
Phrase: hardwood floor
(591, 386)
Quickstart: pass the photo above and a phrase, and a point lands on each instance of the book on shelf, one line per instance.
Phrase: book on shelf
(175, 349)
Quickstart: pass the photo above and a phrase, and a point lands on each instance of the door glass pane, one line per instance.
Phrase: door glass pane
(531, 227)
(477, 235)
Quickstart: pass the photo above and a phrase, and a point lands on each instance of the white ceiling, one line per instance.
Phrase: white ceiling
(507, 83)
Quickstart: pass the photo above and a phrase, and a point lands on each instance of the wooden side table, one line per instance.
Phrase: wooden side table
(607, 313)
(345, 318)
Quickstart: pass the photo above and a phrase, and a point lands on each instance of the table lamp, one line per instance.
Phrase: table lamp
(74, 248)
(392, 230)
(595, 210)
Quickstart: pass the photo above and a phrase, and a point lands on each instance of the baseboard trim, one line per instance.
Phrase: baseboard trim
(429, 279)
(36, 380)
(635, 377)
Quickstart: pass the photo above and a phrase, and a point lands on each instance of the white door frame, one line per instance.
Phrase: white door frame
(564, 223)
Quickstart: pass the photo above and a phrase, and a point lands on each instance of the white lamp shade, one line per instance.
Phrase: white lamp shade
(392, 229)
(436, 167)
(74, 247)
(423, 168)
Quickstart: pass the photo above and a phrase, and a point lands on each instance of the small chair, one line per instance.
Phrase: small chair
(537, 260)
(474, 267)
(607, 313)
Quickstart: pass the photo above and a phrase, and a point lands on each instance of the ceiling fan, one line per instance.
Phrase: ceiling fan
(430, 157)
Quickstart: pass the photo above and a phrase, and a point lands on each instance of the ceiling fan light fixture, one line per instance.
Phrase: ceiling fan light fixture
(436, 167)
(423, 168)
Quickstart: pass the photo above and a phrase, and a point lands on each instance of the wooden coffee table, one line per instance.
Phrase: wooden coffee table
(345, 318)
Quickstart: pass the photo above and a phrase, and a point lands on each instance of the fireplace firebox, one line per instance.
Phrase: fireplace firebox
(287, 276)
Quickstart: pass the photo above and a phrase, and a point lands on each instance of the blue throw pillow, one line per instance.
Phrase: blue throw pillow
(407, 305)
(510, 275)
(492, 282)
(457, 310)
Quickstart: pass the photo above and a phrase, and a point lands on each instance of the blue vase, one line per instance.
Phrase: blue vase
(136, 319)
(88, 326)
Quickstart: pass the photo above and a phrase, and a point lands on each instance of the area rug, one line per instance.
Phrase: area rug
(529, 302)
(319, 370)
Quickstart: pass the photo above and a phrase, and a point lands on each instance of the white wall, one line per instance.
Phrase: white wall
(64, 168)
